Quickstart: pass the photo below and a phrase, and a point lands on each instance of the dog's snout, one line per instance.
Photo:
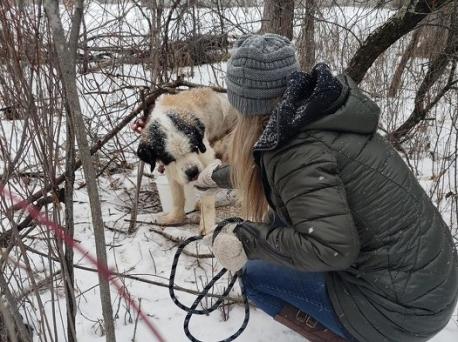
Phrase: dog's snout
(192, 173)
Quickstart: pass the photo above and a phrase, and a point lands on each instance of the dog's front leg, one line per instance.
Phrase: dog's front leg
(207, 214)
(177, 215)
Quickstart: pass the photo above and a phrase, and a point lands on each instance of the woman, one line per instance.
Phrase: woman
(356, 249)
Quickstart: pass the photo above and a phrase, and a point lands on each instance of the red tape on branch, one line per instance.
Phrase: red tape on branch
(103, 270)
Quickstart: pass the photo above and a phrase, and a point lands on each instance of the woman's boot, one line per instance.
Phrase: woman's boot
(306, 325)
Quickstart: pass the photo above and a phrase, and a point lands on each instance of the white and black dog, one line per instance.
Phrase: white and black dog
(179, 136)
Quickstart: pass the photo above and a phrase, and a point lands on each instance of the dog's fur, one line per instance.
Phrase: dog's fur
(179, 134)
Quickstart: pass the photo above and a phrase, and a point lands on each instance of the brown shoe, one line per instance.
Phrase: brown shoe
(306, 325)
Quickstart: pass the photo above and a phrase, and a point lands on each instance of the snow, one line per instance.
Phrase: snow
(149, 256)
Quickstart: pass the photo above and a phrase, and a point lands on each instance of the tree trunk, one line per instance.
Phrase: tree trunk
(70, 160)
(383, 37)
(68, 74)
(156, 13)
(69, 223)
(396, 81)
(433, 38)
(307, 37)
(277, 17)
(436, 69)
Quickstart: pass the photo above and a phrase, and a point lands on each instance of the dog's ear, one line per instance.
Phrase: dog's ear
(201, 146)
(200, 127)
(200, 133)
(147, 154)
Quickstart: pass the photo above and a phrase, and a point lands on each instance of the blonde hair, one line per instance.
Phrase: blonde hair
(245, 174)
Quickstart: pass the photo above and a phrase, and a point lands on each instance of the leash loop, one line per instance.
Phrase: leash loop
(193, 308)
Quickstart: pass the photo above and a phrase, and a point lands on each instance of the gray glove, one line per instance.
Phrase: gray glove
(205, 182)
(226, 247)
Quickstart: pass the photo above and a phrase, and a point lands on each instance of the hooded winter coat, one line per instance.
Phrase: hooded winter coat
(352, 209)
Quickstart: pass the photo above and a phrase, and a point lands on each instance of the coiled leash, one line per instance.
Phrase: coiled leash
(193, 308)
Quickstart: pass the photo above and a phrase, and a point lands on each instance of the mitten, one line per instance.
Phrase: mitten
(205, 182)
(226, 247)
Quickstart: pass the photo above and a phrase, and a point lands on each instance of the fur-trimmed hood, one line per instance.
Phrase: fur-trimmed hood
(320, 101)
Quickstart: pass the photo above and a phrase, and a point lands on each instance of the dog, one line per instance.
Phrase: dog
(179, 135)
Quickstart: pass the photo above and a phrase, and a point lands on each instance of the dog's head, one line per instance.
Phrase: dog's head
(175, 141)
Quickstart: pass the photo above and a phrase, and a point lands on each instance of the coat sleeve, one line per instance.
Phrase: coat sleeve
(321, 235)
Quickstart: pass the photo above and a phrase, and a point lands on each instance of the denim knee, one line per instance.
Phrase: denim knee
(269, 304)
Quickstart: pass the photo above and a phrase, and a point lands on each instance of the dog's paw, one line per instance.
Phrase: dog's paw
(169, 219)
(203, 231)
(206, 228)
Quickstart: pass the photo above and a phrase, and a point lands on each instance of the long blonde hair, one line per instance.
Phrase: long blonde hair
(246, 176)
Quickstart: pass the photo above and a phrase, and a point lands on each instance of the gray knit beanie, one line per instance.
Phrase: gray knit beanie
(257, 72)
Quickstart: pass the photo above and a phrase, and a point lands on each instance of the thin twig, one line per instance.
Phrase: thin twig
(178, 240)
(41, 284)
(136, 319)
(139, 279)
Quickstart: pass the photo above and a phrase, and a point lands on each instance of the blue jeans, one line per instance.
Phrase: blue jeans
(270, 287)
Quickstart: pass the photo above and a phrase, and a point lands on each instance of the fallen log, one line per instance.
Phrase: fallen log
(197, 50)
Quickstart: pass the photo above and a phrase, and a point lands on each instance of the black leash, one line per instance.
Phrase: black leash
(193, 308)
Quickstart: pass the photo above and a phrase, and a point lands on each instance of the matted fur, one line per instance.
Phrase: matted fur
(178, 135)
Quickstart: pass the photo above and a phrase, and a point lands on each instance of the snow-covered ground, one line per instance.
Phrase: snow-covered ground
(148, 255)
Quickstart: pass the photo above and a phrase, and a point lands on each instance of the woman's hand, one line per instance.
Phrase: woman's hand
(205, 183)
(225, 245)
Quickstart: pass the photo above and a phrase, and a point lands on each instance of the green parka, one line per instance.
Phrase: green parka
(354, 210)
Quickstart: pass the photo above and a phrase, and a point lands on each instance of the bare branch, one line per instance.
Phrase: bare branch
(382, 38)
